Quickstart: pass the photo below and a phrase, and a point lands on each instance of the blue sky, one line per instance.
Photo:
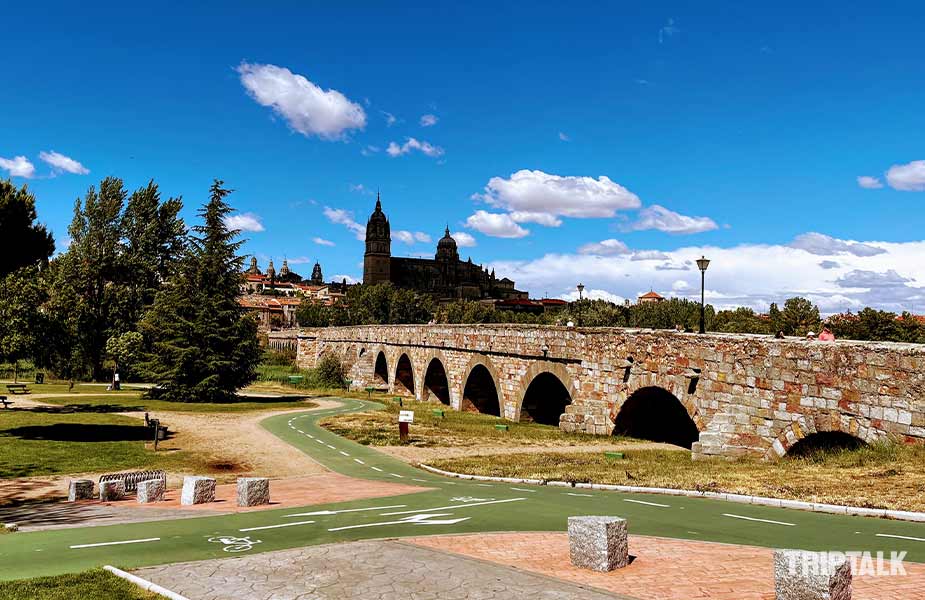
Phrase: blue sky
(608, 143)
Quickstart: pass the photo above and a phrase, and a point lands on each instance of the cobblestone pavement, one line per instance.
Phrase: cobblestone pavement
(663, 569)
(382, 570)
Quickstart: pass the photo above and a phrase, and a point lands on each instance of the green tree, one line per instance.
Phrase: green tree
(799, 317)
(312, 313)
(204, 346)
(124, 351)
(23, 242)
(22, 322)
(740, 320)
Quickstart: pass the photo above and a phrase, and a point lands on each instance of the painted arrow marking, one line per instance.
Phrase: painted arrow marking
(418, 519)
(346, 510)
(405, 512)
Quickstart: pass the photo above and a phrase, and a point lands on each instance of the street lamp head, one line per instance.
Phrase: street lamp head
(581, 287)
(703, 263)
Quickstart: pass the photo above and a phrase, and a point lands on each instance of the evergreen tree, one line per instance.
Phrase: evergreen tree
(23, 242)
(203, 345)
(22, 322)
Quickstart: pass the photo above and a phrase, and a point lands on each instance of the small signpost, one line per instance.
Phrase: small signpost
(404, 417)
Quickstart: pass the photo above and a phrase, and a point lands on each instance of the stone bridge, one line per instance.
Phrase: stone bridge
(718, 394)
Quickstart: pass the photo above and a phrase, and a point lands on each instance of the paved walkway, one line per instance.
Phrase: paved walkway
(385, 570)
(663, 569)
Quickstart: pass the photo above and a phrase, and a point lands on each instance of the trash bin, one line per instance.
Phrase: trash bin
(161, 433)
(40, 377)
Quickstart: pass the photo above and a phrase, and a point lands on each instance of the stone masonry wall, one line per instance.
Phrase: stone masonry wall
(748, 395)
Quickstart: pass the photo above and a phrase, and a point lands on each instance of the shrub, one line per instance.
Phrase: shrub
(330, 372)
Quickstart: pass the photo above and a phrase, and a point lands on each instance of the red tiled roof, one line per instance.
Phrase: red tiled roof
(651, 295)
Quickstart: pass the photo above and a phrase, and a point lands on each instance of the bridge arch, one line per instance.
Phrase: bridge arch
(435, 383)
(837, 428)
(654, 413)
(404, 379)
(380, 368)
(543, 393)
(481, 389)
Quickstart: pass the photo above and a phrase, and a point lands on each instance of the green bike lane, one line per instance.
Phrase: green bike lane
(443, 506)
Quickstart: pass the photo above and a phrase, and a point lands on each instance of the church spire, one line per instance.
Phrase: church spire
(378, 203)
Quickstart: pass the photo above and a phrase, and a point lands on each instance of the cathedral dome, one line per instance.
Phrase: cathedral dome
(377, 216)
(447, 241)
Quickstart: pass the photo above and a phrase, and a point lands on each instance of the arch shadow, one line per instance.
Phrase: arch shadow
(436, 385)
(381, 370)
(654, 413)
(480, 393)
(404, 376)
(544, 400)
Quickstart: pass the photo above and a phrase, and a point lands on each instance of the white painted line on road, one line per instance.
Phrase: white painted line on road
(300, 431)
(310, 435)
(759, 520)
(115, 543)
(346, 510)
(900, 537)
(330, 446)
(418, 519)
(376, 469)
(320, 441)
(276, 526)
(357, 460)
(344, 453)
(484, 485)
(647, 503)
(405, 512)
(421, 480)
(523, 490)
(582, 495)
(397, 475)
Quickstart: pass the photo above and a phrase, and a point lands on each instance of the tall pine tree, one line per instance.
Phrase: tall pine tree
(203, 344)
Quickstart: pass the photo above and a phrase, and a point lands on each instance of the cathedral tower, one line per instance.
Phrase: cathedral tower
(378, 257)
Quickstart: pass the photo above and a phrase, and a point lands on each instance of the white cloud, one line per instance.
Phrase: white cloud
(662, 219)
(345, 218)
(592, 294)
(870, 183)
(667, 31)
(829, 264)
(824, 245)
(410, 237)
(605, 248)
(463, 239)
(649, 255)
(680, 285)
(390, 119)
(540, 218)
(244, 222)
(564, 137)
(323, 242)
(306, 107)
(299, 260)
(349, 278)
(370, 150)
(18, 166)
(567, 196)
(907, 178)
(495, 225)
(359, 188)
(413, 144)
(893, 280)
(429, 120)
(64, 163)
(420, 236)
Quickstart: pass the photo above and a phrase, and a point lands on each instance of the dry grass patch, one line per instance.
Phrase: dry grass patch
(878, 476)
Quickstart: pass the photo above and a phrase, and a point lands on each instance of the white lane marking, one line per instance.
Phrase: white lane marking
(276, 526)
(346, 510)
(376, 469)
(523, 490)
(582, 495)
(300, 431)
(647, 503)
(344, 453)
(759, 520)
(484, 485)
(900, 537)
(421, 480)
(330, 446)
(397, 475)
(116, 543)
(418, 519)
(310, 435)
(320, 441)
(406, 512)
(357, 460)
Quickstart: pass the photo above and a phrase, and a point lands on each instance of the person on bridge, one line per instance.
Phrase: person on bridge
(826, 335)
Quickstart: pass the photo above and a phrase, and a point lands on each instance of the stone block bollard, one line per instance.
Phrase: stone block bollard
(801, 575)
(80, 489)
(151, 490)
(253, 491)
(197, 490)
(112, 490)
(598, 543)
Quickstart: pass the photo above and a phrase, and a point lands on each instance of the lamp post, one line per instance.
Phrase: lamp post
(581, 288)
(702, 264)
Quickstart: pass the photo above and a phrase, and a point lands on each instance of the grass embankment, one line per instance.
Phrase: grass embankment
(454, 430)
(89, 584)
(879, 476)
(134, 402)
(42, 442)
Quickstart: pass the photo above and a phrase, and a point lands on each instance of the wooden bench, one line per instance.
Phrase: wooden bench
(6, 403)
(17, 388)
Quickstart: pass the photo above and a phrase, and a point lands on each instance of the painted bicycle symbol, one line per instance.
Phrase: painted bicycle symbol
(235, 544)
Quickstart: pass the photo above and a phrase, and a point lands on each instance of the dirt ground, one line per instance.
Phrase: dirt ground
(416, 455)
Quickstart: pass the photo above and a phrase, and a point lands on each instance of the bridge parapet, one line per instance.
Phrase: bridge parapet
(746, 394)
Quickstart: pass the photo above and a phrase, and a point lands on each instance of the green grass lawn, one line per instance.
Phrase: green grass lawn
(879, 476)
(51, 443)
(133, 401)
(95, 584)
(455, 429)
(61, 387)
